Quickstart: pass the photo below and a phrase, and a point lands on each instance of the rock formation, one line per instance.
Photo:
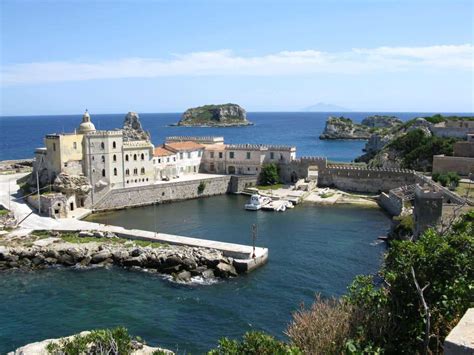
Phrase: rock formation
(71, 184)
(344, 128)
(226, 115)
(378, 121)
(132, 128)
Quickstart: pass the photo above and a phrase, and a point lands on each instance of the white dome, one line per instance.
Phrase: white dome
(86, 125)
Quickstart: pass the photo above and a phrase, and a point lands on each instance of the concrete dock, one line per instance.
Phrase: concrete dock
(242, 254)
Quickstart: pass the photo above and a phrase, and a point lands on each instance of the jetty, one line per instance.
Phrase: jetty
(246, 257)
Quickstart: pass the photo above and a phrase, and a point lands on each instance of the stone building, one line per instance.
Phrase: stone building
(428, 208)
(462, 161)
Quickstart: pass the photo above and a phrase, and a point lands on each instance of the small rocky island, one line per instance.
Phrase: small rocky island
(226, 115)
(344, 128)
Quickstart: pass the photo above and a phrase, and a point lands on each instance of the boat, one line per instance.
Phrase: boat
(256, 202)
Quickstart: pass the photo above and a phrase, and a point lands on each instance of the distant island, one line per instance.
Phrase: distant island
(325, 107)
(226, 115)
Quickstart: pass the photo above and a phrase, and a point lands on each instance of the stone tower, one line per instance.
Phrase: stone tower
(428, 208)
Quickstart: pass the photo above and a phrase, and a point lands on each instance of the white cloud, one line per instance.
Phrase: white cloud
(227, 63)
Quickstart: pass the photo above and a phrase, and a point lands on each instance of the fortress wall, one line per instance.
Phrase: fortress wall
(365, 180)
(461, 165)
(391, 203)
(163, 192)
(299, 167)
(456, 132)
(238, 183)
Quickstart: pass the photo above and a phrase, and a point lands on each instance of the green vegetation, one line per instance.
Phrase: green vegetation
(404, 227)
(450, 179)
(465, 189)
(270, 187)
(102, 341)
(201, 187)
(254, 343)
(389, 316)
(4, 212)
(417, 150)
(74, 238)
(440, 118)
(269, 175)
(327, 194)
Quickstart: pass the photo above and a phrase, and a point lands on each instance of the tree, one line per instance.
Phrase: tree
(269, 175)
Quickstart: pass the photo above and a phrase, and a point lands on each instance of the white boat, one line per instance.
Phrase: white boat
(256, 202)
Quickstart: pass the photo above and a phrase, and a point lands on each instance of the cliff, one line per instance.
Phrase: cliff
(344, 128)
(132, 128)
(226, 115)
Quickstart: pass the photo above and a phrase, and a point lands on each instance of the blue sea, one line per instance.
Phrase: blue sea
(20, 135)
(312, 249)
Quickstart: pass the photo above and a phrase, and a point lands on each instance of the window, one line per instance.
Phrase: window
(194, 168)
(189, 155)
(272, 155)
(126, 157)
(180, 155)
(54, 146)
(142, 156)
(135, 172)
(103, 172)
(211, 154)
(127, 172)
(115, 157)
(248, 169)
(200, 153)
(174, 158)
(74, 145)
(102, 145)
(115, 171)
(167, 160)
(159, 160)
(93, 158)
(142, 171)
(211, 167)
(248, 155)
(231, 155)
(220, 155)
(103, 159)
(114, 145)
(134, 157)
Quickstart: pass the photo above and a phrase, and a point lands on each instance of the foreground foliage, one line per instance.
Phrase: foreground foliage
(254, 343)
(388, 316)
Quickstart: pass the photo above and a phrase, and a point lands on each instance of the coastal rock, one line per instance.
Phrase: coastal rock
(7, 220)
(225, 270)
(344, 128)
(100, 257)
(226, 115)
(381, 121)
(183, 276)
(133, 130)
(71, 184)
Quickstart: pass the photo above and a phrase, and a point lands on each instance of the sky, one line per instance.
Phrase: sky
(60, 57)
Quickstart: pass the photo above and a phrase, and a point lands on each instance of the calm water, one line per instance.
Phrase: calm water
(312, 249)
(20, 135)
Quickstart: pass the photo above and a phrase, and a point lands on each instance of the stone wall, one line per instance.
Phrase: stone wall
(391, 203)
(461, 165)
(240, 183)
(456, 132)
(164, 192)
(365, 180)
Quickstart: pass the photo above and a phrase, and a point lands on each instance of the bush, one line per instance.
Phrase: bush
(269, 175)
(450, 179)
(201, 187)
(322, 329)
(102, 341)
(254, 343)
(404, 227)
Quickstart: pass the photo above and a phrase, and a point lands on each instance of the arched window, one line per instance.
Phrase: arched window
(103, 172)
(115, 171)
(142, 171)
(127, 172)
(115, 157)
(102, 145)
(143, 156)
(103, 159)
(135, 171)
(126, 157)
(114, 145)
(134, 157)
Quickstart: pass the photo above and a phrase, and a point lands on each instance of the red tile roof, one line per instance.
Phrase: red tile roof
(184, 146)
(162, 152)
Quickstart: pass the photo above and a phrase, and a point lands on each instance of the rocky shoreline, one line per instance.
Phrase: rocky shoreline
(93, 249)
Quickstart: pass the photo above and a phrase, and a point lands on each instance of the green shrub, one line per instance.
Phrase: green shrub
(450, 179)
(404, 227)
(254, 343)
(269, 175)
(201, 187)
